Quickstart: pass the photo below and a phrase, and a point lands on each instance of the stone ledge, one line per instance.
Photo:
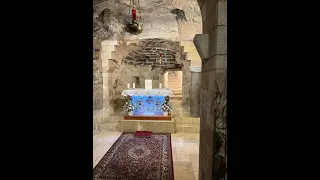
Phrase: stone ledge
(188, 128)
(145, 125)
(201, 42)
(141, 125)
(195, 68)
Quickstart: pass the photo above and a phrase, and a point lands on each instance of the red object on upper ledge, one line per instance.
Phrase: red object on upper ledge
(142, 134)
(134, 14)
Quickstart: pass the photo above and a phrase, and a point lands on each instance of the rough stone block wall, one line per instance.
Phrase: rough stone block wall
(148, 51)
(97, 79)
(97, 84)
(213, 98)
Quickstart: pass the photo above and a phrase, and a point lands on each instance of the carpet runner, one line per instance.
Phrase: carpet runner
(134, 158)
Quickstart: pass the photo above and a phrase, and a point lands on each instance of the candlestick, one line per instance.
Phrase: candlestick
(128, 85)
(134, 85)
(160, 85)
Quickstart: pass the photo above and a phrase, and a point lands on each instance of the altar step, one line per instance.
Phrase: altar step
(116, 126)
(188, 128)
(187, 120)
(177, 94)
(134, 125)
(110, 126)
(113, 118)
(175, 88)
(172, 83)
(176, 97)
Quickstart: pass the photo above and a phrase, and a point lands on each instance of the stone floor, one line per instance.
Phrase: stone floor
(185, 152)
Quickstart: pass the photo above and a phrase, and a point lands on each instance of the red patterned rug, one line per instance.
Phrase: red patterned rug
(134, 158)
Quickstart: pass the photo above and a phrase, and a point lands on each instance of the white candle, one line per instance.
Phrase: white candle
(128, 85)
(166, 85)
(160, 85)
(133, 85)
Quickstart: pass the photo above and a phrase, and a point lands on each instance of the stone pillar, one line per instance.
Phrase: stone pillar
(193, 59)
(97, 84)
(108, 48)
(212, 48)
(165, 79)
(195, 91)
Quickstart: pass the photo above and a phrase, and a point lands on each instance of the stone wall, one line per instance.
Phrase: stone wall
(186, 81)
(213, 99)
(97, 83)
(147, 52)
(97, 79)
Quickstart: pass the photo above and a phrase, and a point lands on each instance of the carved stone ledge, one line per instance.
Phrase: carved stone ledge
(201, 42)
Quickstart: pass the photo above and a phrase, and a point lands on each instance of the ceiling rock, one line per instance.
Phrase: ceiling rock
(168, 19)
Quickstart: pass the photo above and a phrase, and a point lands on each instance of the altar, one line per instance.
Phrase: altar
(148, 109)
(147, 101)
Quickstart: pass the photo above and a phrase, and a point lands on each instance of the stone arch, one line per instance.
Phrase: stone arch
(147, 52)
(212, 48)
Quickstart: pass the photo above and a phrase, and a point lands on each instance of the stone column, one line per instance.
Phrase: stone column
(212, 48)
(108, 48)
(165, 79)
(195, 91)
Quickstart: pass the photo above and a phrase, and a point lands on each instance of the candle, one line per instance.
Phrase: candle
(160, 85)
(128, 85)
(134, 14)
(167, 85)
(133, 85)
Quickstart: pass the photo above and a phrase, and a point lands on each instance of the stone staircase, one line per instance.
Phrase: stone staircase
(187, 124)
(184, 123)
(175, 83)
(111, 123)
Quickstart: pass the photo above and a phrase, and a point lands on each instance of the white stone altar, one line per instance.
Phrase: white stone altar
(147, 92)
